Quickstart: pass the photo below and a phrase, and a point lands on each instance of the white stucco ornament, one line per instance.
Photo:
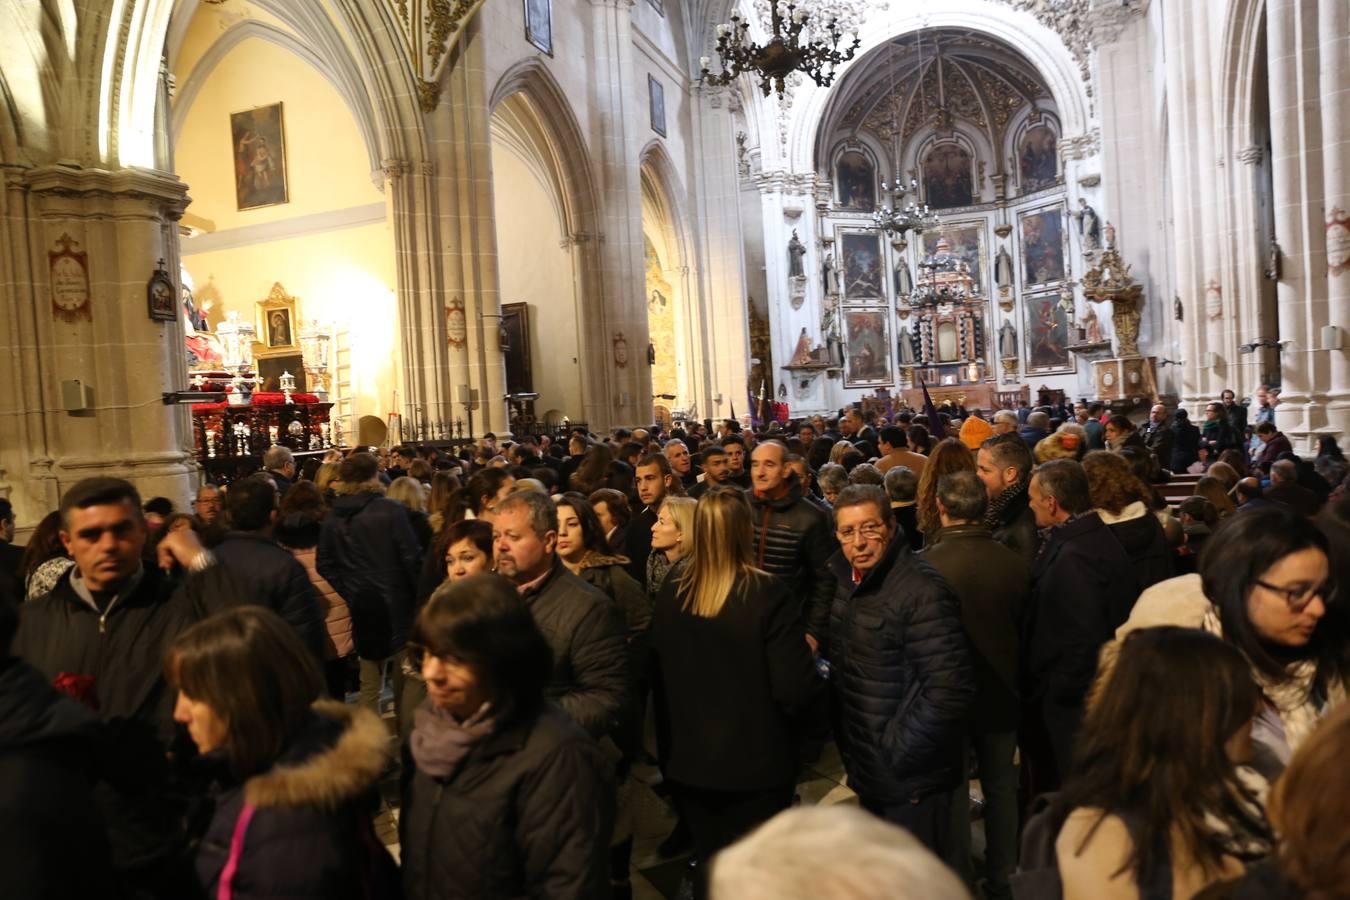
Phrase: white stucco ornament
(1338, 241)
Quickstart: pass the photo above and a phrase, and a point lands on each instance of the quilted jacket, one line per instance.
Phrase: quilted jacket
(794, 539)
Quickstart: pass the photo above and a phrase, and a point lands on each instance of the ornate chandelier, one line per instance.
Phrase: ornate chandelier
(896, 221)
(805, 37)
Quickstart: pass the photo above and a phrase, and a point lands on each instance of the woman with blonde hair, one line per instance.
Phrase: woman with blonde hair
(327, 474)
(672, 540)
(733, 666)
(950, 455)
(409, 492)
(839, 451)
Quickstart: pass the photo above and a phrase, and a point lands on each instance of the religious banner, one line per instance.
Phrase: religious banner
(862, 268)
(867, 347)
(1044, 247)
(1046, 327)
(68, 274)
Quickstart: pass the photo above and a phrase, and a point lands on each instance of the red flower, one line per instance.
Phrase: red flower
(77, 687)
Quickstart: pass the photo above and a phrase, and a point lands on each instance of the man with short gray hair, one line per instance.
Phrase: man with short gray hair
(279, 462)
(582, 625)
(1005, 421)
(992, 583)
(1284, 488)
(1036, 430)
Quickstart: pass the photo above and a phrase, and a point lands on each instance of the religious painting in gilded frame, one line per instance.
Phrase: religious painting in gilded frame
(258, 141)
(539, 24)
(867, 347)
(1038, 159)
(863, 267)
(1044, 247)
(855, 181)
(1046, 331)
(967, 240)
(656, 99)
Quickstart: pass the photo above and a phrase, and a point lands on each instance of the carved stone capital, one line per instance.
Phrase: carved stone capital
(1081, 146)
(395, 169)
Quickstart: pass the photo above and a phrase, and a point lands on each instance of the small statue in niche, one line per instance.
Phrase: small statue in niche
(796, 250)
(1178, 311)
(830, 275)
(1007, 340)
(829, 328)
(1089, 227)
(904, 282)
(1003, 268)
(906, 347)
(802, 355)
(1274, 270)
(1091, 326)
(1110, 232)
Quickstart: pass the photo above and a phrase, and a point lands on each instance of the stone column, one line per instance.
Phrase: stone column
(463, 237)
(616, 103)
(1296, 166)
(722, 350)
(123, 221)
(1333, 28)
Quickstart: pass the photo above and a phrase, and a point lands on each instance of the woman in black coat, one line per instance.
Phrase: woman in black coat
(295, 777)
(734, 667)
(504, 796)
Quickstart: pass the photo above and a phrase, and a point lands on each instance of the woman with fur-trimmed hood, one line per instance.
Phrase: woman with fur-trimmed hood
(295, 777)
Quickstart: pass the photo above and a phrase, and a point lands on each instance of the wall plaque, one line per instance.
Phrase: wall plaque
(69, 277)
(456, 327)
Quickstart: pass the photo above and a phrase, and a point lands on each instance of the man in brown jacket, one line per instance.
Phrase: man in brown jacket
(895, 452)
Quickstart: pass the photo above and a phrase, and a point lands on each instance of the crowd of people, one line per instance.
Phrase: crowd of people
(1149, 694)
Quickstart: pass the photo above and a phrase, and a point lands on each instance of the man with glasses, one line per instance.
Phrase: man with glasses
(901, 669)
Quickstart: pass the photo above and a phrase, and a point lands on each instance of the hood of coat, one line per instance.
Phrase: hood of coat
(594, 560)
(352, 489)
(334, 775)
(347, 506)
(33, 712)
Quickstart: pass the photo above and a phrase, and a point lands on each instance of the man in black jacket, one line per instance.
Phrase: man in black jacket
(901, 671)
(653, 480)
(1158, 436)
(275, 579)
(716, 470)
(991, 583)
(792, 537)
(1083, 588)
(280, 465)
(370, 555)
(100, 636)
(1004, 465)
(11, 579)
(582, 625)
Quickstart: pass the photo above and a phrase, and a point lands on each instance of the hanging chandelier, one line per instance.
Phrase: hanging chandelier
(805, 37)
(897, 221)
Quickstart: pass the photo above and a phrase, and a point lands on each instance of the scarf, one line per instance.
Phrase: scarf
(439, 741)
(993, 517)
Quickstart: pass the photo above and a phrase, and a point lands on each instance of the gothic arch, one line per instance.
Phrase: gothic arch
(663, 214)
(340, 73)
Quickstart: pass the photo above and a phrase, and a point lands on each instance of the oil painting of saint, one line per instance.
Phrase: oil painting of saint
(863, 279)
(856, 180)
(259, 147)
(947, 179)
(1043, 247)
(1047, 333)
(868, 346)
(1039, 159)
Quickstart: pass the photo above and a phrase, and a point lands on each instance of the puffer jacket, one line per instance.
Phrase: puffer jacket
(793, 539)
(337, 617)
(309, 835)
(528, 813)
(369, 554)
(590, 662)
(276, 581)
(903, 678)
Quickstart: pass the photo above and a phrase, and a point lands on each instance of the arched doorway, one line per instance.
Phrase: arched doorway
(667, 287)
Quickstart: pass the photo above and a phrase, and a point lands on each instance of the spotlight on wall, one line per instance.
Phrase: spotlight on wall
(1171, 362)
(1268, 343)
(1333, 337)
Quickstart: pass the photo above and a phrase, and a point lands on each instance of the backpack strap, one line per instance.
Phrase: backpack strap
(225, 887)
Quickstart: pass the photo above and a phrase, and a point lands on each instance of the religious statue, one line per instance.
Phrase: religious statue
(1178, 312)
(1003, 268)
(1110, 236)
(830, 275)
(1274, 270)
(802, 355)
(1089, 226)
(904, 282)
(829, 328)
(1091, 326)
(1007, 340)
(796, 250)
(906, 347)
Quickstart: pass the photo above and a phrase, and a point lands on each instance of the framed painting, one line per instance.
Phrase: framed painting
(1038, 159)
(867, 347)
(1044, 246)
(539, 24)
(656, 98)
(277, 323)
(856, 181)
(1046, 326)
(948, 178)
(864, 278)
(258, 142)
(516, 328)
(966, 242)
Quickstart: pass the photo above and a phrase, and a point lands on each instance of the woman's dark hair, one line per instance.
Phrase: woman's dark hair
(1169, 769)
(615, 501)
(592, 535)
(1112, 482)
(1327, 446)
(818, 454)
(43, 544)
(594, 468)
(442, 498)
(481, 489)
(1235, 459)
(249, 666)
(482, 621)
(300, 517)
(476, 530)
(1243, 548)
(1121, 423)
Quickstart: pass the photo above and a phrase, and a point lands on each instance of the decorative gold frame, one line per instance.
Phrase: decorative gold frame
(277, 301)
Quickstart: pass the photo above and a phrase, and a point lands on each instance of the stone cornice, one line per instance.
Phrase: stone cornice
(143, 184)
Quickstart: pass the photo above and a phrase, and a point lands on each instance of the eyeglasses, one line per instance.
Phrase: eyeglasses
(871, 531)
(1298, 599)
(417, 655)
